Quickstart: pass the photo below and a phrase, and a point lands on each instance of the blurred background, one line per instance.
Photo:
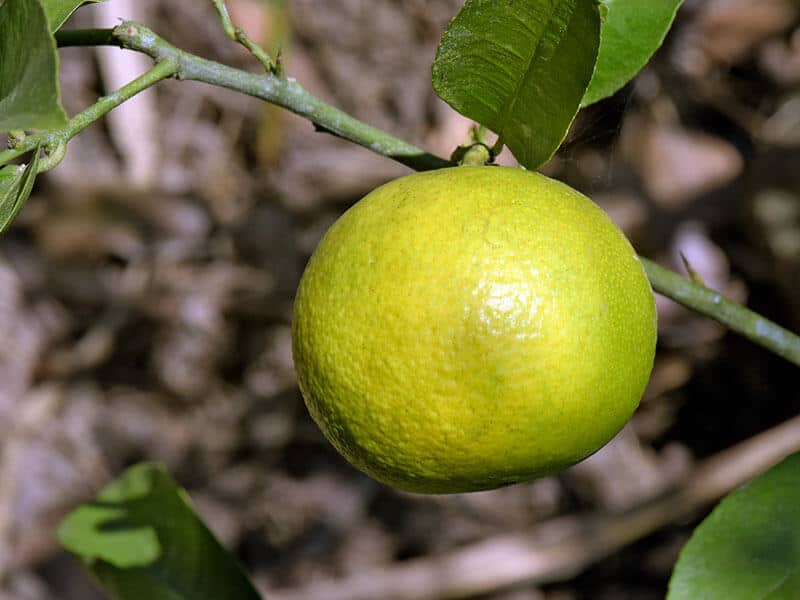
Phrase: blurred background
(146, 293)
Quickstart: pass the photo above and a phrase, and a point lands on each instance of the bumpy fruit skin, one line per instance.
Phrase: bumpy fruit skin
(472, 327)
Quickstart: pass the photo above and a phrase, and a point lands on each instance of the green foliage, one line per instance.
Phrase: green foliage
(16, 183)
(631, 32)
(749, 547)
(29, 94)
(141, 539)
(521, 69)
(59, 11)
(524, 68)
(10, 176)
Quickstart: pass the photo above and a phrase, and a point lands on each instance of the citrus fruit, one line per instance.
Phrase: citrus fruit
(472, 327)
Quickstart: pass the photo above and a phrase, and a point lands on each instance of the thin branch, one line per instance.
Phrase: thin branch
(284, 92)
(225, 19)
(287, 93)
(239, 36)
(734, 316)
(54, 141)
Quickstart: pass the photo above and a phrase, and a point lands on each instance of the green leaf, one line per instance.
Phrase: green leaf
(520, 67)
(141, 539)
(631, 32)
(59, 11)
(10, 176)
(16, 184)
(749, 547)
(29, 95)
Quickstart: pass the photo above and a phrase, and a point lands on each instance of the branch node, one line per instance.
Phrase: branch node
(55, 152)
(476, 154)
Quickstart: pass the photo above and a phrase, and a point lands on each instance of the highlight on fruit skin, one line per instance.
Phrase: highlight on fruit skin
(472, 327)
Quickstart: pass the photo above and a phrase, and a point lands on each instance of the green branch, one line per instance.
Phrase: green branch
(239, 36)
(55, 141)
(287, 93)
(734, 316)
(283, 91)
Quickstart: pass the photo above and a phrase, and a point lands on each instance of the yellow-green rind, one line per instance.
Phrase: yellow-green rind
(472, 327)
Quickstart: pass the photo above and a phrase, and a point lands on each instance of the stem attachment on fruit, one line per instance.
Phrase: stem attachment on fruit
(472, 155)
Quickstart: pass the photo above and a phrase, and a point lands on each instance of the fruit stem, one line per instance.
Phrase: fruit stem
(472, 155)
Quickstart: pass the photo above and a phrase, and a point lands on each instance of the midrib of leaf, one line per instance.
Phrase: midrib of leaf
(779, 584)
(507, 112)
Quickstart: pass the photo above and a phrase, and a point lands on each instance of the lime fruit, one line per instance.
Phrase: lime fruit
(472, 327)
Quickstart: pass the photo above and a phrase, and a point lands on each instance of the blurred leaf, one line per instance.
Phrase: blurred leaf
(632, 30)
(15, 187)
(141, 539)
(29, 95)
(520, 68)
(59, 11)
(749, 547)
